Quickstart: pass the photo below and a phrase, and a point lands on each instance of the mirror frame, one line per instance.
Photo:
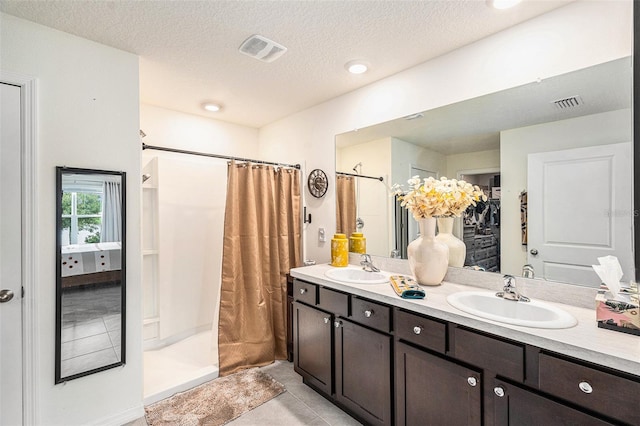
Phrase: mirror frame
(60, 171)
(635, 106)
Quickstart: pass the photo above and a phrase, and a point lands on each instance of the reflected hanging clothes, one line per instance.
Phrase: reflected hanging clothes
(523, 217)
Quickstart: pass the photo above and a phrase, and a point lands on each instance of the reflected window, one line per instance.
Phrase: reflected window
(82, 216)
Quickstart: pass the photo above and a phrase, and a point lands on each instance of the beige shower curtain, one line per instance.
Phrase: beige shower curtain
(345, 204)
(261, 244)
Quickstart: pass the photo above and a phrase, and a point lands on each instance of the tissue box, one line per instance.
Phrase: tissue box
(619, 314)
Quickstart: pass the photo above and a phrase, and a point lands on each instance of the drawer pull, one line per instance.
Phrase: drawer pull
(368, 313)
(472, 381)
(585, 387)
(337, 324)
(499, 390)
(417, 329)
(303, 290)
(326, 320)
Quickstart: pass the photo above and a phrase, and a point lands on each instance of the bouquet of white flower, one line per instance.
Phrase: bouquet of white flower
(442, 197)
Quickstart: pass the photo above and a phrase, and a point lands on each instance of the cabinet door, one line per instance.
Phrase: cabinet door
(312, 340)
(519, 407)
(433, 391)
(363, 372)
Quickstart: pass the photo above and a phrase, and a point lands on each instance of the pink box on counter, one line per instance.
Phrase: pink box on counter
(619, 314)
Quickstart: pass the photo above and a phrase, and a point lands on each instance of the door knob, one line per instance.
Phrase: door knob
(534, 252)
(5, 295)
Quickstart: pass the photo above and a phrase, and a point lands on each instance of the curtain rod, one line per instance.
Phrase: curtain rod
(224, 157)
(381, 179)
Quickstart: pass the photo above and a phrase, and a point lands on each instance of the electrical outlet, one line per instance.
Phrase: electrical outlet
(322, 235)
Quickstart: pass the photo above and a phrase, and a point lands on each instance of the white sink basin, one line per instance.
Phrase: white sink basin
(527, 314)
(356, 276)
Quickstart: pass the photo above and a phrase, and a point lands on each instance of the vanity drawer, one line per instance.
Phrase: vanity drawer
(371, 314)
(333, 301)
(305, 292)
(422, 331)
(591, 388)
(496, 355)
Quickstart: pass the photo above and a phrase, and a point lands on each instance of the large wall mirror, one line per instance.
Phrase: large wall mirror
(90, 287)
(555, 158)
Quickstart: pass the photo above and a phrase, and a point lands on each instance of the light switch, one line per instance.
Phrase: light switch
(322, 236)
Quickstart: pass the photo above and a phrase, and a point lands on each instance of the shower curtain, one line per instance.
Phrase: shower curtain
(111, 214)
(261, 244)
(345, 205)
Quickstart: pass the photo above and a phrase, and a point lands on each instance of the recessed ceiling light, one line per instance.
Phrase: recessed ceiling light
(356, 67)
(502, 4)
(211, 107)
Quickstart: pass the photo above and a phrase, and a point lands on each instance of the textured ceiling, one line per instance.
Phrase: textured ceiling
(188, 49)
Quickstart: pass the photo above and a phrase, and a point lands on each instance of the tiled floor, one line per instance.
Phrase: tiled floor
(299, 405)
(91, 324)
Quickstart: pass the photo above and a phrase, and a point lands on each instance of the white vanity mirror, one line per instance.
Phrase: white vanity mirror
(90, 287)
(554, 156)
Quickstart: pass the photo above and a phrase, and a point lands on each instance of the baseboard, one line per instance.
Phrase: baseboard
(122, 418)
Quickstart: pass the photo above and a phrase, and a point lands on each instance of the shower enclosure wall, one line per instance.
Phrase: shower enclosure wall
(183, 222)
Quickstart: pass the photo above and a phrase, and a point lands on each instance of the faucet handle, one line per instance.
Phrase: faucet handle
(509, 282)
(365, 258)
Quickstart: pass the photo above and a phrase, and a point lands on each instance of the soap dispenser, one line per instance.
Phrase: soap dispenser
(339, 250)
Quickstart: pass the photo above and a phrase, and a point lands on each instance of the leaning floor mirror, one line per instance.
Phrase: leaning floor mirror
(90, 280)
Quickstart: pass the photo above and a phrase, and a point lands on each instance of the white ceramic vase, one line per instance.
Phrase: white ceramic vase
(457, 249)
(428, 257)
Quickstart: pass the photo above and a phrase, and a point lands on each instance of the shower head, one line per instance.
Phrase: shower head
(355, 168)
(146, 177)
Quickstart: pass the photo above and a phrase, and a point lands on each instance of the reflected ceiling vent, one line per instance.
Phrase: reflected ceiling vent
(262, 48)
(568, 103)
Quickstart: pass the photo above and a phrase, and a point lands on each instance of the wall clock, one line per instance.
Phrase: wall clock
(317, 183)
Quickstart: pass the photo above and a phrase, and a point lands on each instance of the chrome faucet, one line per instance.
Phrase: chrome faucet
(509, 291)
(527, 271)
(367, 263)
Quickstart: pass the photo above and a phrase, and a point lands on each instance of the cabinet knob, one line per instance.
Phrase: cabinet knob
(368, 313)
(303, 290)
(417, 329)
(472, 381)
(326, 320)
(585, 387)
(499, 390)
(337, 324)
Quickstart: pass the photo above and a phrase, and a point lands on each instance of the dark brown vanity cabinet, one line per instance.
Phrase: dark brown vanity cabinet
(431, 390)
(342, 348)
(363, 367)
(313, 346)
(517, 406)
(388, 366)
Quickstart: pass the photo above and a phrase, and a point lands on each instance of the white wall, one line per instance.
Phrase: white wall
(472, 161)
(573, 37)
(87, 117)
(191, 197)
(517, 144)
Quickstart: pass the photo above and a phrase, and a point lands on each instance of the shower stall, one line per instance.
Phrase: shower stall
(183, 222)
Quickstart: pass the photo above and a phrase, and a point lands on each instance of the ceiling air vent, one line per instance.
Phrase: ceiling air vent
(262, 48)
(568, 103)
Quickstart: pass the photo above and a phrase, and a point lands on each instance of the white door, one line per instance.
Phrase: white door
(10, 258)
(579, 209)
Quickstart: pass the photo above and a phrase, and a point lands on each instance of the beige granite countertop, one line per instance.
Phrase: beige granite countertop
(584, 341)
